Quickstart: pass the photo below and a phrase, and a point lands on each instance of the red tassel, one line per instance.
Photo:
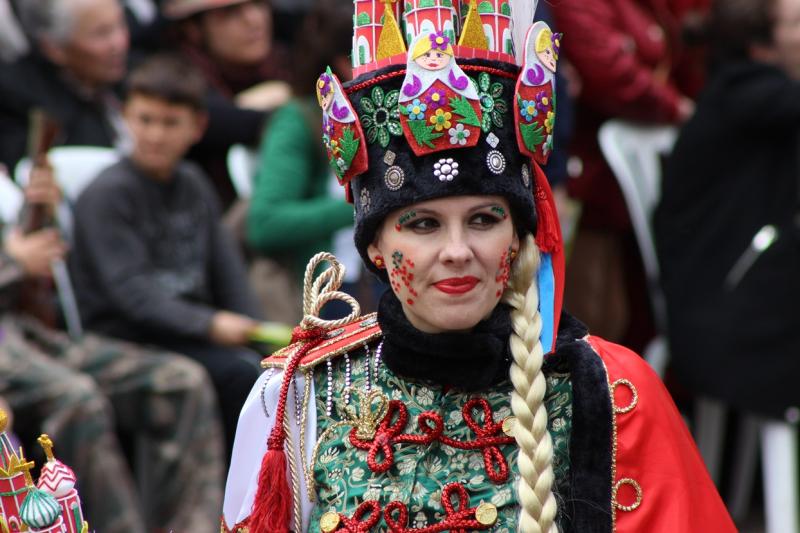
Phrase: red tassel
(272, 507)
(548, 230)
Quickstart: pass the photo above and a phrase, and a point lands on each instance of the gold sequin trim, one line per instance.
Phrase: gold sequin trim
(634, 400)
(636, 487)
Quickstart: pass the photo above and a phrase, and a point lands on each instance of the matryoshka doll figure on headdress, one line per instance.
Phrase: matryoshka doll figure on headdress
(535, 105)
(341, 132)
(439, 106)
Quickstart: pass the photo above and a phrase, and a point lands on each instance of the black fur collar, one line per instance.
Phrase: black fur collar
(586, 508)
(467, 361)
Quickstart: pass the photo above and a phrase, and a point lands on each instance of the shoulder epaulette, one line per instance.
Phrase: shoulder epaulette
(338, 341)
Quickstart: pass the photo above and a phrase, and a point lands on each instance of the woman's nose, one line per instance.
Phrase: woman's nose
(456, 250)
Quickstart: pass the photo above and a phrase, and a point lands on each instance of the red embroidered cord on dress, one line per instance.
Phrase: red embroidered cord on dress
(459, 519)
(389, 432)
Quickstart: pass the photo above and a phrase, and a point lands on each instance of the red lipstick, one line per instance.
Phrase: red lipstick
(457, 285)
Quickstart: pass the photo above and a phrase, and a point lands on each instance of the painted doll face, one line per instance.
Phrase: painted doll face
(448, 260)
(548, 58)
(433, 60)
(325, 100)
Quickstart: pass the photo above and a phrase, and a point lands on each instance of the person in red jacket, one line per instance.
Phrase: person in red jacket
(632, 63)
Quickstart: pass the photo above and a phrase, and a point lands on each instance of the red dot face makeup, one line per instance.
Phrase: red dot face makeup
(449, 260)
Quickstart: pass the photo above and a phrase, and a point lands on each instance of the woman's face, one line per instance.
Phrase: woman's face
(239, 34)
(448, 260)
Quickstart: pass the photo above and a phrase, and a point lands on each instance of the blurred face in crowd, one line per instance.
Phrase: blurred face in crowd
(239, 34)
(163, 133)
(96, 51)
(785, 49)
(448, 260)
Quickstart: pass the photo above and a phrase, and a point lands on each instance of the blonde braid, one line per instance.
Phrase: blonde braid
(535, 456)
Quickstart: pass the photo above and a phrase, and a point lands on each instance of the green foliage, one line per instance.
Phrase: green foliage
(462, 107)
(423, 133)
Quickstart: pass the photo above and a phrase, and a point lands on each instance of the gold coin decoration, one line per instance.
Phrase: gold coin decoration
(329, 522)
(486, 514)
(509, 423)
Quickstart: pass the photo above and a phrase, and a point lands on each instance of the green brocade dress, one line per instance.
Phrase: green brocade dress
(417, 473)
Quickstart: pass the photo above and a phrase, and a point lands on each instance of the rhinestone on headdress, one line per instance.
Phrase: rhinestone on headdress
(445, 169)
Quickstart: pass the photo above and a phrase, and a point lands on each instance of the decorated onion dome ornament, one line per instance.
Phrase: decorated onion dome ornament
(56, 478)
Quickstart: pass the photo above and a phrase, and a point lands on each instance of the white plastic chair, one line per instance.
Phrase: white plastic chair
(75, 167)
(242, 164)
(635, 152)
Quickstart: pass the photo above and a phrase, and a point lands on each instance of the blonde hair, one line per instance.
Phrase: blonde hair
(535, 455)
(544, 40)
(425, 45)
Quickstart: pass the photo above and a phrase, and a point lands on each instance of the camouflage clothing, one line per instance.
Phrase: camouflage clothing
(162, 405)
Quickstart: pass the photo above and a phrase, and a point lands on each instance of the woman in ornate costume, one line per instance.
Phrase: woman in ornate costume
(470, 401)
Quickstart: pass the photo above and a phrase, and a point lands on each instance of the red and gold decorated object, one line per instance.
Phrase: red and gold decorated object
(52, 507)
(342, 134)
(534, 102)
(59, 480)
(495, 17)
(13, 486)
(430, 16)
(337, 341)
(439, 105)
(369, 20)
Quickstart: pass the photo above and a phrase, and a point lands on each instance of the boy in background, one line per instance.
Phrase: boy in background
(151, 261)
(86, 392)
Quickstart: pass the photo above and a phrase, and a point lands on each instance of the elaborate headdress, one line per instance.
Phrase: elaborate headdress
(442, 108)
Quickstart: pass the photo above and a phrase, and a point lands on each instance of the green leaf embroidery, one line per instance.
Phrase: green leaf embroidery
(532, 135)
(391, 98)
(461, 106)
(367, 106)
(394, 128)
(497, 118)
(383, 137)
(486, 122)
(377, 96)
(483, 81)
(349, 145)
(423, 133)
(496, 90)
(500, 105)
(372, 134)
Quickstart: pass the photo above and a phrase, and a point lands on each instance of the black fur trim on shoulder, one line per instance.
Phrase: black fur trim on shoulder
(587, 509)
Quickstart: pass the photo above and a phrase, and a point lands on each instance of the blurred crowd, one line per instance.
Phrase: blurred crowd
(131, 306)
